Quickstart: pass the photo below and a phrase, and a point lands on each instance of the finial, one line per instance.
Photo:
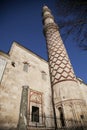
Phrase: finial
(45, 7)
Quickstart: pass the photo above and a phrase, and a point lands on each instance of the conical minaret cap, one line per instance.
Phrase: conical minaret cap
(45, 8)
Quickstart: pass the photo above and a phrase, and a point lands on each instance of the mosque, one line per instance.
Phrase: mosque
(39, 95)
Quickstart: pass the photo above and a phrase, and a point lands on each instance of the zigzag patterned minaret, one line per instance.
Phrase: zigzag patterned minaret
(68, 100)
(60, 65)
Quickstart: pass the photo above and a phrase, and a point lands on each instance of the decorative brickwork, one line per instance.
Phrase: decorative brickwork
(35, 97)
(60, 66)
(35, 101)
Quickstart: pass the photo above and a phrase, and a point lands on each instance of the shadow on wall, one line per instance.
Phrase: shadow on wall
(72, 128)
(43, 128)
(8, 129)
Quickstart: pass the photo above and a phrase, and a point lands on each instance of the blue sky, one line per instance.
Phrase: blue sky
(21, 21)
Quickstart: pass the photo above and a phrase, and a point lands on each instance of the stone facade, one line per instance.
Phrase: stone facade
(36, 81)
(36, 77)
(83, 88)
(37, 94)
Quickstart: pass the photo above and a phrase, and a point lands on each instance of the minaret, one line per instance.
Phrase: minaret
(68, 101)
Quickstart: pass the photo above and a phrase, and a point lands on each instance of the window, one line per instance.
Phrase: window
(43, 75)
(25, 68)
(2, 67)
(35, 114)
(61, 116)
(13, 64)
(82, 116)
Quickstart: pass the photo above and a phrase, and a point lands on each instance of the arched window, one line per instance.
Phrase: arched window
(43, 75)
(13, 64)
(61, 116)
(25, 67)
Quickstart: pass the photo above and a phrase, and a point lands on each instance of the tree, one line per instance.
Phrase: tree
(73, 20)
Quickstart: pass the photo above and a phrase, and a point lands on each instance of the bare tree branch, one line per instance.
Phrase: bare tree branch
(72, 19)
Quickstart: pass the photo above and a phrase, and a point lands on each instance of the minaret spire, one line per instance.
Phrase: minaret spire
(59, 62)
(67, 97)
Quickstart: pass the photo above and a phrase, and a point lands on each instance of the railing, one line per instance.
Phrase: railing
(48, 123)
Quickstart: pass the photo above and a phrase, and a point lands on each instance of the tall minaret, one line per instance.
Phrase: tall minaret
(68, 101)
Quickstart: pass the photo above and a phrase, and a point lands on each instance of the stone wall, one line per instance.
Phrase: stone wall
(83, 88)
(22, 68)
(36, 77)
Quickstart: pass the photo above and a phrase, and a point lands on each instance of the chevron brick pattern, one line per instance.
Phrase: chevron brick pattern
(60, 66)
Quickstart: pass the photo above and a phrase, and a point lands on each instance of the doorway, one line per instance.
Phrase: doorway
(35, 114)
